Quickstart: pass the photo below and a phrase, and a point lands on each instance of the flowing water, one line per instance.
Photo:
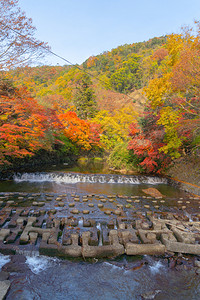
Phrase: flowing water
(40, 277)
(57, 182)
(50, 278)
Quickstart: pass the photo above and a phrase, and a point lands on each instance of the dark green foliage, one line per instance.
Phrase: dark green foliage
(124, 65)
(84, 100)
(128, 77)
(66, 147)
(6, 87)
(122, 158)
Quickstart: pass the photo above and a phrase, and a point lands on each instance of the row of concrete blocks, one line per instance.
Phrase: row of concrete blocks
(104, 251)
(122, 241)
(115, 248)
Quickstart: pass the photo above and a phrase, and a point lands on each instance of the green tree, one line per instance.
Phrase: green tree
(129, 76)
(84, 100)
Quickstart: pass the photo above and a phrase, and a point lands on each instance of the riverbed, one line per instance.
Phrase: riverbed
(34, 276)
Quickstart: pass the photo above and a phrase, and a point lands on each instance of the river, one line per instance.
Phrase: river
(126, 277)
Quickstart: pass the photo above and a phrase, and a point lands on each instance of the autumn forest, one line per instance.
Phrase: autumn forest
(136, 105)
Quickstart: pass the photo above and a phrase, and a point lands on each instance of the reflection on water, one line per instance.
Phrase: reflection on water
(84, 166)
(98, 184)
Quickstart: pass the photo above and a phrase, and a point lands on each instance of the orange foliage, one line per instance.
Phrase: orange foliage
(23, 125)
(186, 73)
(160, 54)
(84, 133)
(91, 61)
(57, 102)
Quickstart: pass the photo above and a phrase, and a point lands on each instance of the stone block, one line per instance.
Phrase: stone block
(144, 249)
(48, 249)
(93, 241)
(114, 249)
(105, 236)
(66, 236)
(86, 223)
(72, 222)
(4, 233)
(111, 224)
(73, 250)
(33, 237)
(184, 237)
(180, 247)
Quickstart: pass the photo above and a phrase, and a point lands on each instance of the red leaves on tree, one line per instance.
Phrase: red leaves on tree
(23, 126)
(145, 144)
(134, 129)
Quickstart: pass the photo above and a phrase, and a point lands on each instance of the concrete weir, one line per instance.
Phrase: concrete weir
(55, 231)
(64, 240)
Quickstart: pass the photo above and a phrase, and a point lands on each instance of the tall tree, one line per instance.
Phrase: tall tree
(17, 42)
(84, 100)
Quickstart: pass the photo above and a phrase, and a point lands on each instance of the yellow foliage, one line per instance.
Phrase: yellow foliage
(168, 117)
(115, 126)
(175, 44)
(157, 88)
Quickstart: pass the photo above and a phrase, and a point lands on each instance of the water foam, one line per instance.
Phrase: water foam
(155, 268)
(113, 266)
(4, 259)
(80, 223)
(39, 263)
(98, 226)
(72, 178)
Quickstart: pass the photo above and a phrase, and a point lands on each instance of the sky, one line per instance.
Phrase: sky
(77, 29)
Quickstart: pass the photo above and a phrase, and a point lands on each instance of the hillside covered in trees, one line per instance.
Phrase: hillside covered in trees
(137, 105)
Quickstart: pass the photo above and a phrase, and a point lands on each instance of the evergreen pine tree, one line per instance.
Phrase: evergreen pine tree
(84, 101)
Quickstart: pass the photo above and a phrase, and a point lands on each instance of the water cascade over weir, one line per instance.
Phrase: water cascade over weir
(72, 178)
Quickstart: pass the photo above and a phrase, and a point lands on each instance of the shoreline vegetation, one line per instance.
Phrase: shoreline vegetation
(186, 171)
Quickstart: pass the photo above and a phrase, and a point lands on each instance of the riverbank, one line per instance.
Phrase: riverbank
(41, 162)
(186, 171)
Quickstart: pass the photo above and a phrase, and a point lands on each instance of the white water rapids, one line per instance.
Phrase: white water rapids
(73, 178)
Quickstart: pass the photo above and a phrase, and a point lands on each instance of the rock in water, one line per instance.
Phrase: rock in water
(153, 192)
(4, 287)
(197, 263)
(4, 275)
